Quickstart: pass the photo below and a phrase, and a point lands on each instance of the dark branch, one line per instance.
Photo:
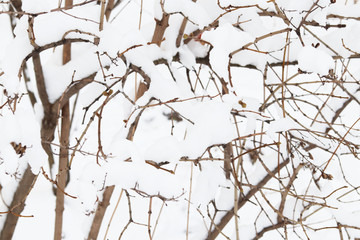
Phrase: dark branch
(241, 202)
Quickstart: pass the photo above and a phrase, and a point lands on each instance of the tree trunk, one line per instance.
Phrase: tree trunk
(64, 151)
(62, 174)
(100, 212)
(18, 204)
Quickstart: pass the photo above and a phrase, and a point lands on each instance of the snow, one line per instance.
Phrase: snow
(38, 6)
(5, 34)
(120, 42)
(219, 56)
(280, 125)
(187, 57)
(205, 133)
(58, 77)
(15, 52)
(350, 40)
(314, 60)
(192, 10)
(206, 189)
(156, 152)
(45, 33)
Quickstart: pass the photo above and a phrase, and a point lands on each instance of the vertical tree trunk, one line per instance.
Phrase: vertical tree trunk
(63, 167)
(160, 28)
(17, 204)
(64, 151)
(109, 8)
(100, 212)
(228, 155)
(102, 15)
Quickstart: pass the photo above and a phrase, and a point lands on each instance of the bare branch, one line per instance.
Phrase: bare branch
(242, 201)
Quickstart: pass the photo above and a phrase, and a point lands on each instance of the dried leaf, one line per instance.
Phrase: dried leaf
(243, 105)
(326, 176)
(19, 148)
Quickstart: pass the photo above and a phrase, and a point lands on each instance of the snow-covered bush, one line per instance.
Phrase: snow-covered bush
(160, 119)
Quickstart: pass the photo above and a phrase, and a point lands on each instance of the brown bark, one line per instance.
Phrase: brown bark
(64, 150)
(17, 5)
(75, 88)
(62, 173)
(100, 212)
(66, 53)
(141, 90)
(109, 8)
(48, 123)
(40, 81)
(160, 28)
(181, 31)
(228, 155)
(18, 204)
(260, 234)
(102, 15)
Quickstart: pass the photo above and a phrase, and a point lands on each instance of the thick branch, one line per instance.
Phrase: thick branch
(17, 5)
(48, 46)
(48, 123)
(18, 204)
(62, 173)
(241, 202)
(75, 88)
(40, 82)
(100, 212)
(181, 30)
(342, 17)
(228, 155)
(267, 229)
(109, 8)
(160, 28)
